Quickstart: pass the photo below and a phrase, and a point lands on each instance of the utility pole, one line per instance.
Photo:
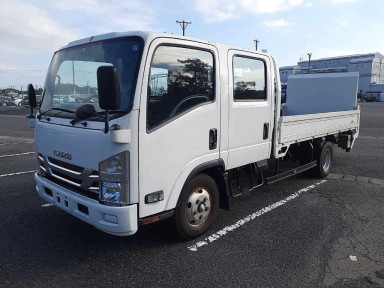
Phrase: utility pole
(256, 43)
(183, 25)
(309, 62)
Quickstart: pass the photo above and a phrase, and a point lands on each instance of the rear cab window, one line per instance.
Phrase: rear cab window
(249, 79)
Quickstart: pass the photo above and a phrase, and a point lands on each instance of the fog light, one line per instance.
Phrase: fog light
(154, 197)
(110, 218)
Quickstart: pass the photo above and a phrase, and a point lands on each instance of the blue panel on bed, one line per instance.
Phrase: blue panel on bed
(321, 93)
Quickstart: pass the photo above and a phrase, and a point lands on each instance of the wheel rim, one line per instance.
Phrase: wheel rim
(198, 206)
(327, 160)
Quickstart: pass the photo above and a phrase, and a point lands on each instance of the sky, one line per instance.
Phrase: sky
(32, 30)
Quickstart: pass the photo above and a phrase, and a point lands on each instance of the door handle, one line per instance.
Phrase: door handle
(265, 131)
(212, 139)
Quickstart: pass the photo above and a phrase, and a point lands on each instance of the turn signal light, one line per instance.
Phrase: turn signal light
(154, 197)
(151, 220)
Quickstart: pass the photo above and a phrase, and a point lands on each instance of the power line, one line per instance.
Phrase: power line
(183, 25)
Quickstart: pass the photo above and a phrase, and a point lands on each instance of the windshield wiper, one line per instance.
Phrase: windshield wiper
(74, 121)
(92, 114)
(55, 109)
(85, 112)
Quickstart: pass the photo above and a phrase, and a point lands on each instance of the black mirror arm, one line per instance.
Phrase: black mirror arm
(31, 116)
(106, 119)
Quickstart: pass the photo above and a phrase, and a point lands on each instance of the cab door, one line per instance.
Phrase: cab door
(179, 123)
(249, 108)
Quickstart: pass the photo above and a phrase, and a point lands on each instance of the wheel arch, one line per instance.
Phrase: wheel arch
(216, 170)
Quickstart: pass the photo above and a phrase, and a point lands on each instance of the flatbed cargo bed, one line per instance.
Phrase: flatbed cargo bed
(294, 129)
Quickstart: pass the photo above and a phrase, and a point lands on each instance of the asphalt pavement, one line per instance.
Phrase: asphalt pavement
(301, 232)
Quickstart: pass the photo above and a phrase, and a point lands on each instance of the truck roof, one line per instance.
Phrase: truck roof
(148, 36)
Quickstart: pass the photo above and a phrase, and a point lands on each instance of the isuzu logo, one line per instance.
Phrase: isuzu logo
(62, 154)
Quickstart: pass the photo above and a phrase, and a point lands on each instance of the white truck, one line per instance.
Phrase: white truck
(168, 126)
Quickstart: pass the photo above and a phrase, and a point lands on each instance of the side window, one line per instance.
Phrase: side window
(180, 79)
(249, 81)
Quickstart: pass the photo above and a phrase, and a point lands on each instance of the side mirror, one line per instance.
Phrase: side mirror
(31, 96)
(108, 85)
(31, 99)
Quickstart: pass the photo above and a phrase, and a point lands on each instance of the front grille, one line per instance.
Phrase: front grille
(81, 180)
(66, 165)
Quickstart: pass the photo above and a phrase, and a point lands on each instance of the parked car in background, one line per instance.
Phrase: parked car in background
(370, 99)
(25, 102)
(373, 96)
(16, 100)
(6, 101)
(3, 102)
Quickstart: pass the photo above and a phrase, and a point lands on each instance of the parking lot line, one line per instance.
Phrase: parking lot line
(10, 143)
(47, 205)
(11, 155)
(12, 116)
(18, 173)
(241, 222)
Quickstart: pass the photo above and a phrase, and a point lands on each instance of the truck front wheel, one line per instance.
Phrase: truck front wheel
(197, 207)
(325, 157)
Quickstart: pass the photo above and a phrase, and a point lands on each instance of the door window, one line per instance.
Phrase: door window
(180, 80)
(249, 81)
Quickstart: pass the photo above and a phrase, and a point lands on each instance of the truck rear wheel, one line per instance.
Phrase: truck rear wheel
(324, 160)
(197, 207)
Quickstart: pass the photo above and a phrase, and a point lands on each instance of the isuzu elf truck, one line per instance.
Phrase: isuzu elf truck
(138, 127)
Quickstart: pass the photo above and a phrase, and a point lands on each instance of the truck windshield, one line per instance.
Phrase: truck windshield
(72, 77)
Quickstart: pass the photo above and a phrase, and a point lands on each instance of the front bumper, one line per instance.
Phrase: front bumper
(120, 221)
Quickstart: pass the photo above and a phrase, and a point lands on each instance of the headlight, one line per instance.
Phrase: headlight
(114, 179)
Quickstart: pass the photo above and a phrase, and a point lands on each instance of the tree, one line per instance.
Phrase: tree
(192, 79)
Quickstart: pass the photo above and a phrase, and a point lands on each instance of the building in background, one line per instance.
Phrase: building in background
(10, 92)
(288, 70)
(370, 67)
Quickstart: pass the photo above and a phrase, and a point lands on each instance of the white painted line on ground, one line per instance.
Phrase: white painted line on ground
(18, 173)
(12, 116)
(2, 137)
(241, 222)
(26, 142)
(371, 137)
(11, 155)
(47, 205)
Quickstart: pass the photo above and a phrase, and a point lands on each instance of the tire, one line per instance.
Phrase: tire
(324, 160)
(197, 207)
